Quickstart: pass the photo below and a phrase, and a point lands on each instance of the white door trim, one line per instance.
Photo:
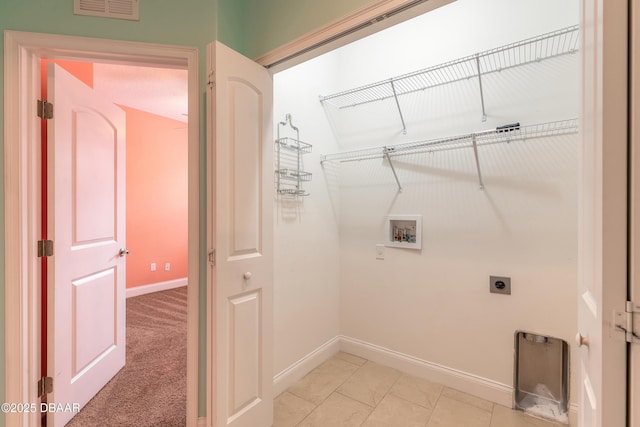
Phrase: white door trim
(634, 200)
(22, 52)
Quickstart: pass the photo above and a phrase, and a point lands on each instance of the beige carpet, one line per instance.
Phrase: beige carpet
(151, 389)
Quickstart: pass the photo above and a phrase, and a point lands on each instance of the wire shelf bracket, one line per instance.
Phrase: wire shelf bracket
(484, 113)
(385, 150)
(502, 134)
(536, 49)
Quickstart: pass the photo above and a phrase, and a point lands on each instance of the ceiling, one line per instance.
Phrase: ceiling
(161, 91)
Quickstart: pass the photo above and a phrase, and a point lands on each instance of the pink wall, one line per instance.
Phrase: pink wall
(156, 189)
(83, 71)
(156, 198)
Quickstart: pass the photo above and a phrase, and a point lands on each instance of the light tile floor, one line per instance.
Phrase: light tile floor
(350, 391)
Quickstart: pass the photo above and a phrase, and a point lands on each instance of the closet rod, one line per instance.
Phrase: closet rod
(495, 136)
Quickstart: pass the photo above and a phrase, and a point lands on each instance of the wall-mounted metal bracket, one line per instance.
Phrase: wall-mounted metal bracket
(484, 114)
(475, 153)
(395, 96)
(386, 152)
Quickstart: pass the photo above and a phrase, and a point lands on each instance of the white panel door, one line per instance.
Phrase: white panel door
(86, 331)
(603, 201)
(634, 232)
(241, 195)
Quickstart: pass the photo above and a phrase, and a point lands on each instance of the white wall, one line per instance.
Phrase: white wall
(307, 263)
(434, 304)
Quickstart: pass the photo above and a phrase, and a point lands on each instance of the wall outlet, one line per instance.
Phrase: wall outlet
(167, 266)
(153, 266)
(500, 285)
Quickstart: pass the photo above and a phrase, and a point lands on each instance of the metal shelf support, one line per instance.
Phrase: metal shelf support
(395, 96)
(475, 153)
(385, 150)
(484, 113)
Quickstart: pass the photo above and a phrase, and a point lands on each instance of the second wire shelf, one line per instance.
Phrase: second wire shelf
(505, 134)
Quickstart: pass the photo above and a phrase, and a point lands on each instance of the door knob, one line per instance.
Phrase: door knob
(247, 275)
(582, 341)
(123, 252)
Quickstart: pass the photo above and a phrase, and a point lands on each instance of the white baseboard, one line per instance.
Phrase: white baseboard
(472, 384)
(302, 367)
(202, 422)
(155, 287)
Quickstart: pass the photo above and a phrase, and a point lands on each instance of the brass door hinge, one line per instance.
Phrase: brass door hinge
(45, 248)
(45, 109)
(45, 386)
(628, 321)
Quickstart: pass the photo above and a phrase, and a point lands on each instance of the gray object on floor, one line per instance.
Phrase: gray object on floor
(541, 376)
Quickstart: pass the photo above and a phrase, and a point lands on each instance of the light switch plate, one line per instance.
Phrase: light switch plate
(380, 251)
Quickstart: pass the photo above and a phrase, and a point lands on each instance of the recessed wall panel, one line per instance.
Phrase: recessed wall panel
(94, 174)
(245, 351)
(589, 408)
(245, 168)
(93, 308)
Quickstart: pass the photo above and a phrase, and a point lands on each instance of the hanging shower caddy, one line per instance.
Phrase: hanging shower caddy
(289, 165)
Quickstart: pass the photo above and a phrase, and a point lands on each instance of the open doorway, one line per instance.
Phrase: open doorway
(154, 294)
(28, 49)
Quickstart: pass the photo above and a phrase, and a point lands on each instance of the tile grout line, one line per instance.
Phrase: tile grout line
(493, 408)
(434, 406)
(385, 395)
(334, 390)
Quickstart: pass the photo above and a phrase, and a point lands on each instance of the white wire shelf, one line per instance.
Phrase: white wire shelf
(561, 127)
(549, 45)
(503, 134)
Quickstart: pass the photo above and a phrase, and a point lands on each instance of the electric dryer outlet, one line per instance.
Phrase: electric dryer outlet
(500, 285)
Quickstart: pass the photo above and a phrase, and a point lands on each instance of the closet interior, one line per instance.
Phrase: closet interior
(464, 120)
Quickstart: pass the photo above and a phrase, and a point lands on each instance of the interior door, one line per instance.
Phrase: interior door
(602, 280)
(634, 232)
(241, 231)
(86, 332)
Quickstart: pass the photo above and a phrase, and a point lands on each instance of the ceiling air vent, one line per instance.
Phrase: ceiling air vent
(120, 9)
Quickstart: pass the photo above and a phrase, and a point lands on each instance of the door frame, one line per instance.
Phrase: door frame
(633, 412)
(22, 54)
